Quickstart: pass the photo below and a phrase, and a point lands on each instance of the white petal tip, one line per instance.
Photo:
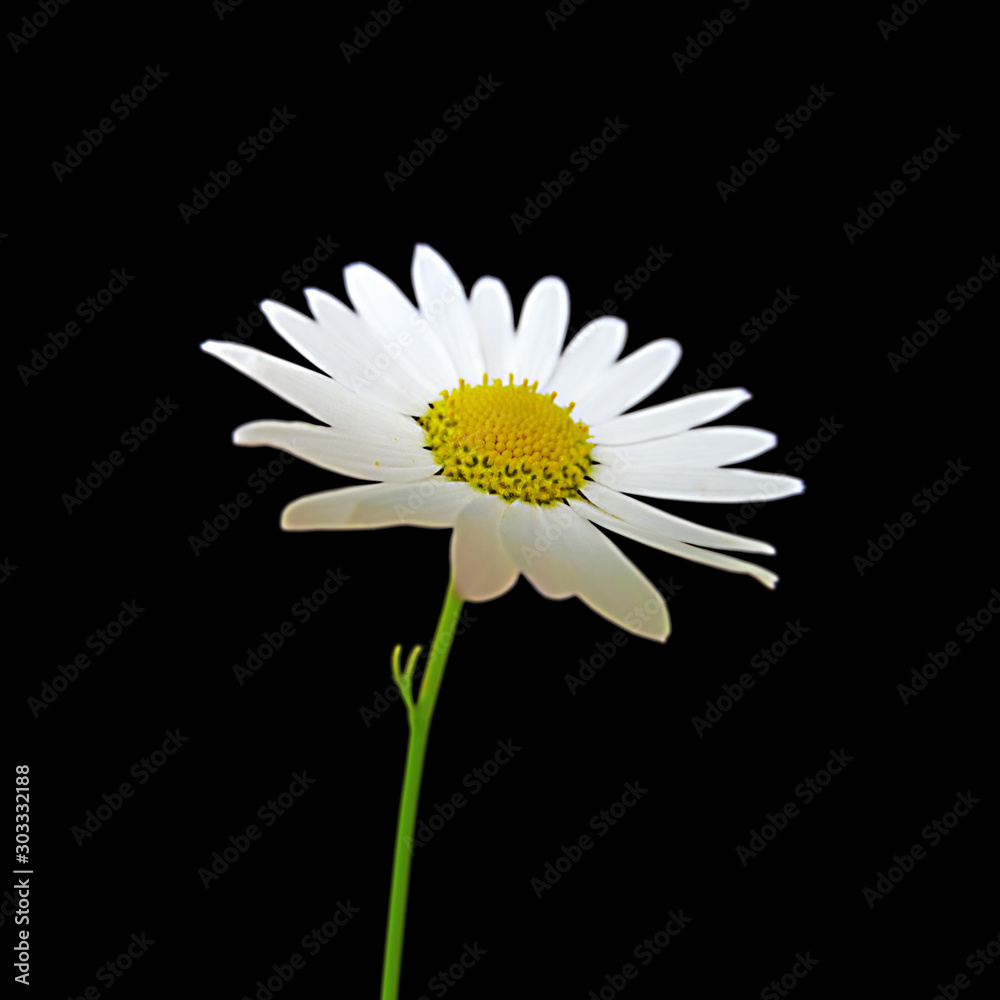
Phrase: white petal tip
(660, 635)
(425, 254)
(425, 250)
(229, 351)
(295, 517)
(244, 435)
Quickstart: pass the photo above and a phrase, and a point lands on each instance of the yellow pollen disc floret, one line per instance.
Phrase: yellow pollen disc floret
(509, 440)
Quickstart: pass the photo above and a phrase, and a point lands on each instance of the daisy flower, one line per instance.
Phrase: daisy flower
(460, 419)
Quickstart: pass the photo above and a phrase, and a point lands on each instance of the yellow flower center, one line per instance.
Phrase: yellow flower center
(509, 440)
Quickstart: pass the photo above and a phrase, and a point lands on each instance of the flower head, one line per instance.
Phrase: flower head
(460, 420)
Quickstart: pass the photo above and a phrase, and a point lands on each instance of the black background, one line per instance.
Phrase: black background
(655, 186)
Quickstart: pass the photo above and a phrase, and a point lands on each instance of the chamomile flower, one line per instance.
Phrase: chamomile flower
(459, 419)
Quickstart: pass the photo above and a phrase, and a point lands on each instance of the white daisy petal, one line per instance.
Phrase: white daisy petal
(426, 503)
(380, 458)
(387, 361)
(669, 418)
(685, 551)
(307, 336)
(629, 381)
(319, 396)
(563, 555)
(699, 485)
(523, 530)
(442, 301)
(587, 356)
(344, 348)
(705, 447)
(541, 330)
(494, 319)
(415, 339)
(645, 517)
(342, 322)
(395, 321)
(482, 568)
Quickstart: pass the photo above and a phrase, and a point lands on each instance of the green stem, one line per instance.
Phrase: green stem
(419, 713)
